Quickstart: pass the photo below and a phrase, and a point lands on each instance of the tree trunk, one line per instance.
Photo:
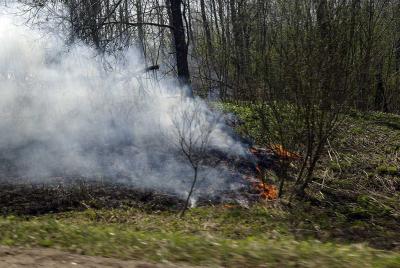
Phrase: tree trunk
(186, 205)
(380, 100)
(207, 30)
(210, 52)
(180, 44)
(139, 17)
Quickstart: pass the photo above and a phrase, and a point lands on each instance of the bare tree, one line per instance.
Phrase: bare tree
(192, 132)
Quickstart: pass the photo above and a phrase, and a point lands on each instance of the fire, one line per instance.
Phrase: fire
(283, 153)
(269, 191)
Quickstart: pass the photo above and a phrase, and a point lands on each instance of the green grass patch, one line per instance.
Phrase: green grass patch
(387, 170)
(257, 237)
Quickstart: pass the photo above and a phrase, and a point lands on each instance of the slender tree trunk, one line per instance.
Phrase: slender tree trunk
(238, 50)
(94, 10)
(206, 27)
(210, 52)
(223, 63)
(180, 44)
(185, 207)
(365, 80)
(380, 100)
(139, 18)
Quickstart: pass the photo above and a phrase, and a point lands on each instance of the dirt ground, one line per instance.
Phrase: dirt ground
(49, 258)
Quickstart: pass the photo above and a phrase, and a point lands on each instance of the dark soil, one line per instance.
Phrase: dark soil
(78, 194)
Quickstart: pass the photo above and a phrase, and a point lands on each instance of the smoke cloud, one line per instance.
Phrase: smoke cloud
(63, 113)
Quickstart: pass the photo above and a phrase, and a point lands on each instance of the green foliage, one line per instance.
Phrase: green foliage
(252, 125)
(266, 124)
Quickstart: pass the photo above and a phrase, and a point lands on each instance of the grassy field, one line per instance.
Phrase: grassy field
(351, 219)
(214, 236)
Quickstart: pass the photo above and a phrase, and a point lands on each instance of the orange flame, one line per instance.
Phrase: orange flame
(270, 192)
(267, 191)
(284, 153)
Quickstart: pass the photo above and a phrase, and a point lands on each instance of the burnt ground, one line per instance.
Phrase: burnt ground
(63, 194)
(26, 196)
(78, 194)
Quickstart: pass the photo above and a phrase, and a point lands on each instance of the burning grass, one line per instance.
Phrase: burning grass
(59, 194)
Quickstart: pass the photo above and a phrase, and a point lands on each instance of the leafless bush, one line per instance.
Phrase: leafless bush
(193, 132)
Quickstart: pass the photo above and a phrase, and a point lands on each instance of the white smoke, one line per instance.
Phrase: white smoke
(61, 113)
